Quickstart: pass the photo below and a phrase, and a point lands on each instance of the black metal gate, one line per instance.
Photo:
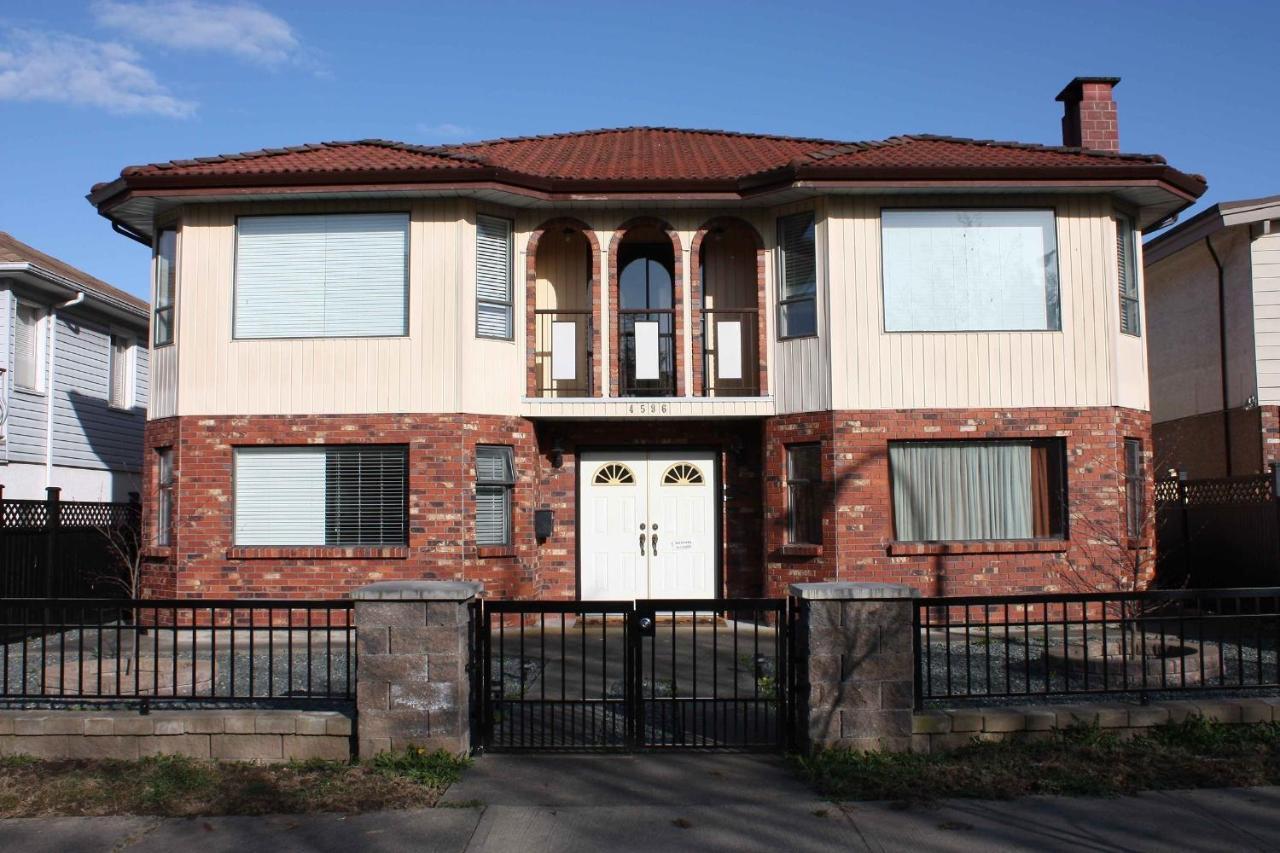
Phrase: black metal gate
(622, 675)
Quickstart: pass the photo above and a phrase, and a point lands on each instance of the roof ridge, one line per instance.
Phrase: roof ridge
(852, 147)
(1032, 146)
(263, 153)
(657, 128)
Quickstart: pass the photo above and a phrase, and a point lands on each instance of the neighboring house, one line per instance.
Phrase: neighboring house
(648, 362)
(1213, 299)
(74, 390)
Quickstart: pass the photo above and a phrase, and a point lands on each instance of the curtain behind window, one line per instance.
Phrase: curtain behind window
(964, 490)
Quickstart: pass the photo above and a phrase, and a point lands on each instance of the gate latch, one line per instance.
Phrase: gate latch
(646, 623)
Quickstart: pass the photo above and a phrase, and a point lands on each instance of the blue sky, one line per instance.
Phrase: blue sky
(89, 87)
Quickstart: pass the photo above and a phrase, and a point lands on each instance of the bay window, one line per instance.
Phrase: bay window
(495, 483)
(166, 272)
(970, 270)
(804, 494)
(978, 490)
(797, 276)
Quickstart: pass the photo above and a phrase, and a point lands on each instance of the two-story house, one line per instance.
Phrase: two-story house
(73, 380)
(648, 362)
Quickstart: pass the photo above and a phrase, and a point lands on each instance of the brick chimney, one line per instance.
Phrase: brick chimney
(1089, 114)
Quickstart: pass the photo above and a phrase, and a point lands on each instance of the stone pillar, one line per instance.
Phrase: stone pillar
(412, 683)
(856, 667)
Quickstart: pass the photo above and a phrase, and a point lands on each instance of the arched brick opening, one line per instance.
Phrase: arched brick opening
(560, 225)
(677, 300)
(712, 226)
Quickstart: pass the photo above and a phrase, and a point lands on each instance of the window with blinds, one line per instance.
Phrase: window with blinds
(329, 276)
(166, 281)
(341, 496)
(28, 348)
(493, 278)
(121, 372)
(495, 482)
(797, 276)
(1126, 266)
(969, 270)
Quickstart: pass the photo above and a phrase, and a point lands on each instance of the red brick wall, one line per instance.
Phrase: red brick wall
(858, 539)
(204, 562)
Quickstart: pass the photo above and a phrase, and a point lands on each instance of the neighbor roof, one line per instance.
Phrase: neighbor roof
(1211, 220)
(635, 160)
(14, 252)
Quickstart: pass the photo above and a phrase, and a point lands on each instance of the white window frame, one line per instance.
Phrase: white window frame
(1127, 232)
(130, 370)
(785, 333)
(40, 348)
(158, 307)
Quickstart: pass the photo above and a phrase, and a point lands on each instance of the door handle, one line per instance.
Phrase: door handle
(641, 544)
(654, 543)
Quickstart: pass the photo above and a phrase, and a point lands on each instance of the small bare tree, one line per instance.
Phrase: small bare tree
(124, 545)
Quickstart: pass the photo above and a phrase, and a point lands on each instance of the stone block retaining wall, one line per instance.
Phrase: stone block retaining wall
(262, 736)
(942, 730)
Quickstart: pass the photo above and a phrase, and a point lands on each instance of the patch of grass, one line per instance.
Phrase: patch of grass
(1083, 760)
(178, 786)
(438, 769)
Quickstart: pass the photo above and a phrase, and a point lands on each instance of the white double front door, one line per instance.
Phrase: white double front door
(647, 524)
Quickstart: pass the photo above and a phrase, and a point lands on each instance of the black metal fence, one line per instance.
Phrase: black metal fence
(138, 652)
(1218, 533)
(55, 548)
(649, 674)
(1140, 643)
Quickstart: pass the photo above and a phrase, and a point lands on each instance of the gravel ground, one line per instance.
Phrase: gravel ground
(959, 669)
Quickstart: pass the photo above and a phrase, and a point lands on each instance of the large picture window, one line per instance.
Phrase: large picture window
(331, 276)
(970, 270)
(797, 276)
(973, 490)
(343, 496)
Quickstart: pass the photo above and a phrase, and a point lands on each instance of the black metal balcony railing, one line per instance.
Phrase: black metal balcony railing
(563, 357)
(664, 384)
(730, 353)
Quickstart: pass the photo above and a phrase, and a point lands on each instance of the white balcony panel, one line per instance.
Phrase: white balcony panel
(647, 350)
(728, 349)
(564, 349)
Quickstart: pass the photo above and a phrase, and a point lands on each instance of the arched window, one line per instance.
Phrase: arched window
(683, 474)
(613, 474)
(646, 316)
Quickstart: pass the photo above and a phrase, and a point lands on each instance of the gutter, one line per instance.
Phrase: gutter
(74, 286)
(1222, 350)
(52, 386)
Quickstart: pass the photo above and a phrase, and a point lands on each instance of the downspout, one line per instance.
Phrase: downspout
(51, 384)
(1222, 351)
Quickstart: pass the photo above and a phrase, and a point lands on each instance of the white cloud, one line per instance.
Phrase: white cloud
(237, 28)
(443, 131)
(67, 69)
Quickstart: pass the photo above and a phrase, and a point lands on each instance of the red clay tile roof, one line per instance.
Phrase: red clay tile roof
(642, 153)
(14, 251)
(640, 158)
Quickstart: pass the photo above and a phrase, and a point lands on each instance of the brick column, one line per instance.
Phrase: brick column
(412, 685)
(855, 661)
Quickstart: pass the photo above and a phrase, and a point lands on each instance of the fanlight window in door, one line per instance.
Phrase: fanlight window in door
(682, 474)
(613, 474)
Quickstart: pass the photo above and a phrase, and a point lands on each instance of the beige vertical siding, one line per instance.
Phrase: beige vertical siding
(1071, 367)
(1265, 262)
(441, 366)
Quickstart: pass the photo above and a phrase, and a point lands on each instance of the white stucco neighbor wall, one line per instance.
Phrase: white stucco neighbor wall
(26, 481)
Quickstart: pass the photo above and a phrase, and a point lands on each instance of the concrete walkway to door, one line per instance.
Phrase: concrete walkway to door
(715, 802)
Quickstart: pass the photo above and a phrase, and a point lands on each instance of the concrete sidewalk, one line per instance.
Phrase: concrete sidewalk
(689, 802)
